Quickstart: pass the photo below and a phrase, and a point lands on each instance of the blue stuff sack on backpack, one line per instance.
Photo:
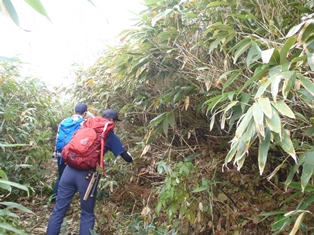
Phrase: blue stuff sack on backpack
(66, 130)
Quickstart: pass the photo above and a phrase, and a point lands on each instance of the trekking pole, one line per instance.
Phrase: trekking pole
(95, 185)
(90, 191)
(90, 185)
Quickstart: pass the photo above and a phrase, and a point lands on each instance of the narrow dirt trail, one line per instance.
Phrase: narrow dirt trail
(39, 203)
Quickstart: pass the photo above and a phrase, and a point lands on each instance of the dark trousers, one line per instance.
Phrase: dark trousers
(72, 180)
(61, 167)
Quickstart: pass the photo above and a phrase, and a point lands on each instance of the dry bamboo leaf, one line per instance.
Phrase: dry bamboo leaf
(297, 224)
(187, 102)
(146, 149)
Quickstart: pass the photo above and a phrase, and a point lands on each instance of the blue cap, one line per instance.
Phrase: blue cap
(80, 108)
(110, 114)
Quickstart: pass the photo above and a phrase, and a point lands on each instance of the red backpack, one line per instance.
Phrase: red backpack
(86, 148)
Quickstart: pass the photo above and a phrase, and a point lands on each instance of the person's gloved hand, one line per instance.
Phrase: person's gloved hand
(131, 156)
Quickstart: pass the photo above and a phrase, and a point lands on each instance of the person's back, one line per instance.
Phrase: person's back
(66, 130)
(76, 180)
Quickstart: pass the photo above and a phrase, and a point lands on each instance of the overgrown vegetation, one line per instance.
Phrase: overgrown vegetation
(204, 81)
(216, 99)
(26, 118)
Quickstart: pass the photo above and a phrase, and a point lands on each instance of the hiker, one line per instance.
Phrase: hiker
(66, 130)
(74, 180)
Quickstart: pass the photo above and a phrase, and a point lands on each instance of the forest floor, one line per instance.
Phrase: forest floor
(239, 199)
(39, 204)
(111, 210)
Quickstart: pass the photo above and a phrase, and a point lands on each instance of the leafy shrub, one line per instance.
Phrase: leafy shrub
(27, 117)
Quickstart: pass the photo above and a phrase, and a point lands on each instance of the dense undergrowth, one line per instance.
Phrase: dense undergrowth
(216, 99)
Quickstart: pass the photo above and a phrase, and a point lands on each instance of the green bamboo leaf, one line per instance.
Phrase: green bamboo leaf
(237, 112)
(229, 106)
(295, 29)
(307, 31)
(171, 119)
(305, 95)
(310, 46)
(234, 75)
(11, 10)
(247, 117)
(244, 144)
(288, 83)
(298, 59)
(219, 26)
(265, 105)
(243, 16)
(307, 83)
(283, 108)
(200, 189)
(293, 171)
(160, 16)
(310, 60)
(250, 134)
(258, 73)
(275, 80)
(212, 102)
(212, 121)
(217, 3)
(310, 131)
(286, 144)
(308, 189)
(286, 48)
(271, 56)
(7, 213)
(301, 117)
(11, 145)
(38, 6)
(254, 54)
(309, 200)
(165, 125)
(275, 58)
(241, 150)
(245, 99)
(267, 54)
(139, 64)
(157, 120)
(263, 151)
(274, 123)
(8, 227)
(20, 186)
(4, 177)
(231, 153)
(281, 222)
(263, 84)
(258, 116)
(222, 35)
(308, 168)
(241, 49)
(240, 163)
(14, 205)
